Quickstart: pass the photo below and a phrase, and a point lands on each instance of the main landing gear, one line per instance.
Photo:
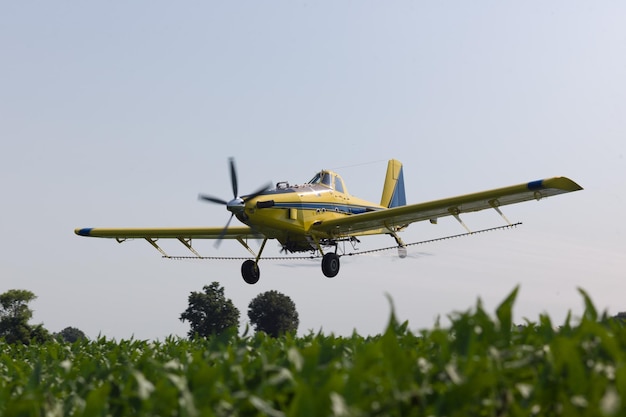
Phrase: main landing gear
(330, 264)
(251, 273)
(250, 268)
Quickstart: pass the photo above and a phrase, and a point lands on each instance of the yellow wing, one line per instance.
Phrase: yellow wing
(399, 217)
(171, 233)
(184, 234)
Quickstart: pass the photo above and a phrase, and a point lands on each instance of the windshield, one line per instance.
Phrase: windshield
(323, 178)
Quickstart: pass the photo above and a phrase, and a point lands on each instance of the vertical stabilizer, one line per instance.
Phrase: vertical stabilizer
(393, 190)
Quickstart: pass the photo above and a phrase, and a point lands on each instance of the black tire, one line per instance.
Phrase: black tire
(330, 265)
(250, 272)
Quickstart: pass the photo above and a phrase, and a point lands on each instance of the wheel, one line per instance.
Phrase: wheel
(330, 264)
(250, 272)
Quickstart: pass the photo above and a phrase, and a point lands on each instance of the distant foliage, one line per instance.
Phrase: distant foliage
(273, 313)
(209, 312)
(621, 315)
(481, 365)
(70, 335)
(15, 304)
(14, 317)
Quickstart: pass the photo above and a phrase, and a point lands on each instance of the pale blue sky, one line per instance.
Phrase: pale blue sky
(117, 114)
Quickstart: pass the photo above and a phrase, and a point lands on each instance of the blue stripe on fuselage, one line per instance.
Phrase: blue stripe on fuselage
(341, 208)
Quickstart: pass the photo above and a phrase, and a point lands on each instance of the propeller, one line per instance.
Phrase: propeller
(237, 204)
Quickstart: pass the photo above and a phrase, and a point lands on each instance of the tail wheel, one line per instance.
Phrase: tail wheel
(330, 264)
(250, 272)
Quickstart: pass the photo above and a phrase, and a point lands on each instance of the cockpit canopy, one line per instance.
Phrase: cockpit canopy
(329, 179)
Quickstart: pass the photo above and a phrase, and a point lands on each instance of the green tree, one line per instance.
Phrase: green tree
(39, 334)
(14, 317)
(209, 312)
(273, 313)
(70, 335)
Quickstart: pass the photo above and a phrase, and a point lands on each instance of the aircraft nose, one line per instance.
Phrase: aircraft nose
(235, 205)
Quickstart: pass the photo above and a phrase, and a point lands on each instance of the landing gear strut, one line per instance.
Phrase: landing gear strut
(250, 272)
(250, 268)
(330, 264)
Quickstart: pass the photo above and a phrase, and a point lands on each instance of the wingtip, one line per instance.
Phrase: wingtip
(560, 183)
(566, 184)
(84, 231)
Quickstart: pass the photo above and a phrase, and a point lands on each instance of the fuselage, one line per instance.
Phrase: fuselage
(287, 212)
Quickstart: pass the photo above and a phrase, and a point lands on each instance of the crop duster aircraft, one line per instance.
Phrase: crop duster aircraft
(319, 214)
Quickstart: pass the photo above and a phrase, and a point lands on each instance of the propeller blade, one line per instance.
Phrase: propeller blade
(233, 177)
(223, 233)
(258, 192)
(212, 199)
(236, 202)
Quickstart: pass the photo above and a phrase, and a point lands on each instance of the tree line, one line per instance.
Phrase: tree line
(209, 313)
(14, 321)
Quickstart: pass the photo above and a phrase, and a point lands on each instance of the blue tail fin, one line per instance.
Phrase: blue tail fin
(393, 190)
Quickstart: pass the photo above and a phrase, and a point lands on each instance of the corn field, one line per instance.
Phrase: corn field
(481, 365)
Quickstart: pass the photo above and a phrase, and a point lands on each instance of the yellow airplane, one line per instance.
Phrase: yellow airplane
(321, 213)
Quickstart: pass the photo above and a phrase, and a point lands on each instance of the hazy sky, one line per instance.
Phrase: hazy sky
(119, 114)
